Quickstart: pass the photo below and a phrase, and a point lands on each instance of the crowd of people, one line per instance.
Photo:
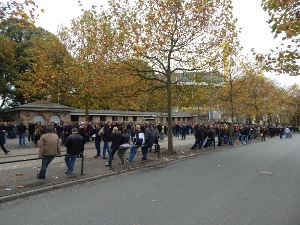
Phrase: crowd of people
(120, 137)
(229, 133)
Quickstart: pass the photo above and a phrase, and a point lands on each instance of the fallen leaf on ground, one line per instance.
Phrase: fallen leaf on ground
(20, 186)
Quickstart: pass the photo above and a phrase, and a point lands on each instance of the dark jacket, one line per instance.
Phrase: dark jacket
(96, 132)
(82, 133)
(183, 129)
(211, 133)
(149, 137)
(137, 140)
(31, 128)
(246, 131)
(107, 132)
(115, 139)
(125, 138)
(199, 134)
(74, 144)
(21, 128)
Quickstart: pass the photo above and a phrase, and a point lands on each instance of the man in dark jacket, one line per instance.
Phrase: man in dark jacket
(105, 137)
(2, 136)
(149, 141)
(75, 147)
(21, 131)
(31, 129)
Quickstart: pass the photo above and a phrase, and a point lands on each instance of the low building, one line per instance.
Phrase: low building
(50, 112)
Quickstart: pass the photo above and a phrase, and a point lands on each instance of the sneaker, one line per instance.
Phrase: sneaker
(8, 151)
(106, 164)
(97, 156)
(111, 168)
(127, 160)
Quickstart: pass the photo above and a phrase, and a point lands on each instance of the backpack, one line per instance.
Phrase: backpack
(140, 137)
(101, 131)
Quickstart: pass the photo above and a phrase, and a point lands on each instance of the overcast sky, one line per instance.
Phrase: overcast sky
(251, 18)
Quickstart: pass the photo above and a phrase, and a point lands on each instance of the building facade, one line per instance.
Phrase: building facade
(50, 112)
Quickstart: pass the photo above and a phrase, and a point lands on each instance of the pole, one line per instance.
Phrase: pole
(82, 157)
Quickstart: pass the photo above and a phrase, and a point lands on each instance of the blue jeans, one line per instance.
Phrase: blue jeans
(111, 156)
(133, 151)
(244, 137)
(230, 141)
(45, 162)
(22, 139)
(145, 149)
(70, 161)
(161, 135)
(97, 146)
(106, 147)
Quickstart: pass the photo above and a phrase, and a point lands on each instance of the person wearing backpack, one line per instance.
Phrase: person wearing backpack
(137, 143)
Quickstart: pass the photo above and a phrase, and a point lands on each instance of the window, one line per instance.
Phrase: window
(102, 118)
(74, 118)
(125, 118)
(134, 118)
(114, 118)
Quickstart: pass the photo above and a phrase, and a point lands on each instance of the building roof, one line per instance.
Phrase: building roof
(42, 106)
(49, 106)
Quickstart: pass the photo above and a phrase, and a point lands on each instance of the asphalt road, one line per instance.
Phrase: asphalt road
(256, 184)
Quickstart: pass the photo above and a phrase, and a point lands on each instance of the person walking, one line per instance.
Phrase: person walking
(137, 143)
(149, 141)
(37, 134)
(97, 139)
(105, 137)
(245, 134)
(262, 133)
(49, 147)
(2, 136)
(75, 147)
(124, 145)
(183, 131)
(199, 137)
(115, 139)
(21, 131)
(231, 134)
(31, 128)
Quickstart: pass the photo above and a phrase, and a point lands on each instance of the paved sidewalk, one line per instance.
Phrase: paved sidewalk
(19, 178)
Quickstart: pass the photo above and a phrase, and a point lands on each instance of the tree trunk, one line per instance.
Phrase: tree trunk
(170, 135)
(86, 108)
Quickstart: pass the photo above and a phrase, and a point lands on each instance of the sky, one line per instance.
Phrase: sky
(252, 19)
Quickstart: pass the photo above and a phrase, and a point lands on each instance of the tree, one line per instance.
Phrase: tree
(22, 10)
(292, 105)
(285, 23)
(18, 40)
(172, 36)
(46, 80)
(7, 70)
